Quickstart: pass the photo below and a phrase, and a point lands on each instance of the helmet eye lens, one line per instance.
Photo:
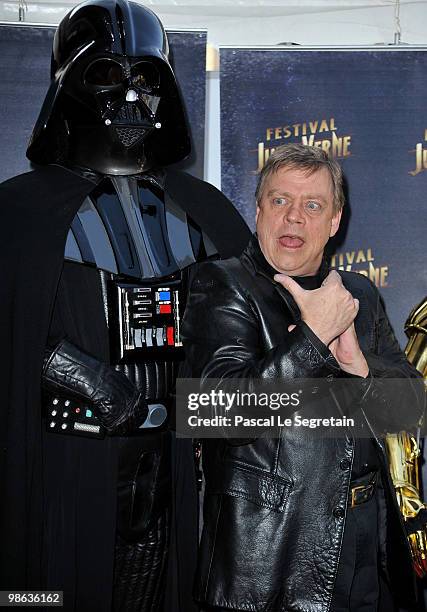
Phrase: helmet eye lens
(104, 73)
(146, 76)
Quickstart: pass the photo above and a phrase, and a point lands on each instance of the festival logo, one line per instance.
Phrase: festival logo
(420, 156)
(321, 133)
(361, 261)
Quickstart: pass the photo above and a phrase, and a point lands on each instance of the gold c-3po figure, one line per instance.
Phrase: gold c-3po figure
(403, 450)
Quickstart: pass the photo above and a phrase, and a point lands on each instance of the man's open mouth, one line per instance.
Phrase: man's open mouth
(290, 241)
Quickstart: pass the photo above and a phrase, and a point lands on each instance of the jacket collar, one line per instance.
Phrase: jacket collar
(254, 255)
(260, 264)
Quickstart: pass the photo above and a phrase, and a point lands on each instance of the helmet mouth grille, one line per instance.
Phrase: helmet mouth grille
(130, 136)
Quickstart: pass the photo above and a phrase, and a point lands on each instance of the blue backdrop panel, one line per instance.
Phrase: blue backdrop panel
(368, 108)
(24, 78)
(188, 56)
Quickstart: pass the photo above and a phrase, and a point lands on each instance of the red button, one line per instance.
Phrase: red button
(171, 336)
(165, 308)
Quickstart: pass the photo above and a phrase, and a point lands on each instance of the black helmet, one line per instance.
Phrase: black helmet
(113, 104)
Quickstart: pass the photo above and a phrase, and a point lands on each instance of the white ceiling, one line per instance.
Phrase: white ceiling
(35, 9)
(265, 22)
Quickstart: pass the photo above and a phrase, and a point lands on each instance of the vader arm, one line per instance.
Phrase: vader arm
(118, 404)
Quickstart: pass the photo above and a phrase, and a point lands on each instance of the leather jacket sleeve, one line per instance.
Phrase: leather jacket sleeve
(221, 335)
(118, 404)
(388, 359)
(393, 395)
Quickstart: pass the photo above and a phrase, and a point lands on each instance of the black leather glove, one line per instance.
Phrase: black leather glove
(117, 403)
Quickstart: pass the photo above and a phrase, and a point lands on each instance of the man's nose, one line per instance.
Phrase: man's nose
(293, 213)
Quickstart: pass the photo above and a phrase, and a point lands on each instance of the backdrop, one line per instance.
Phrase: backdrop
(366, 106)
(25, 75)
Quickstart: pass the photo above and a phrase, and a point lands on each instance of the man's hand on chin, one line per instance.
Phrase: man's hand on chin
(329, 310)
(347, 352)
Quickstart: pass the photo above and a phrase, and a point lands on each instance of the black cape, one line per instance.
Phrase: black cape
(36, 210)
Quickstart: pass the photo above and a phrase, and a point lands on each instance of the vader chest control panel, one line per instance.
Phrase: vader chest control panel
(145, 317)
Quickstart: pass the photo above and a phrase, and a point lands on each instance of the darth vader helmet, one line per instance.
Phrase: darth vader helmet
(113, 105)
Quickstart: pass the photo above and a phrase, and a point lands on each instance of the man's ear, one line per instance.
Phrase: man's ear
(335, 223)
(257, 213)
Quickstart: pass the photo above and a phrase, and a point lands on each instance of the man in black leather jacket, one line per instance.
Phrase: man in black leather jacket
(285, 529)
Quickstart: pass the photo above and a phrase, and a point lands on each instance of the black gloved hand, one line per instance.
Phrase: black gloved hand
(117, 403)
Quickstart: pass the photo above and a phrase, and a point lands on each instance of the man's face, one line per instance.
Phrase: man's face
(295, 219)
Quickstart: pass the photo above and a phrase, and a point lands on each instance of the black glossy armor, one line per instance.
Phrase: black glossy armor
(111, 234)
(113, 105)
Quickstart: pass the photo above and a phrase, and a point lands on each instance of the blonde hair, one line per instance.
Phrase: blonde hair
(304, 157)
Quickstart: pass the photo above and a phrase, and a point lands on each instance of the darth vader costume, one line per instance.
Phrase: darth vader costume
(97, 495)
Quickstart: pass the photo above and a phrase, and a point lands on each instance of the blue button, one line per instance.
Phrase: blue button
(88, 413)
(164, 295)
